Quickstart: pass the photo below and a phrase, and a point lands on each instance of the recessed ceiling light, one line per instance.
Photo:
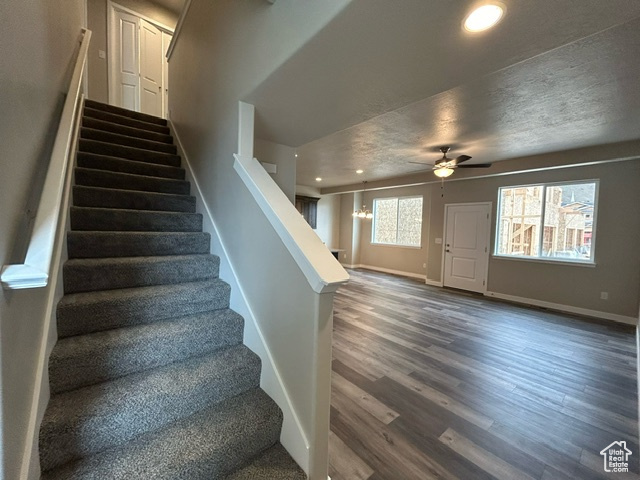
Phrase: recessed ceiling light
(359, 171)
(318, 179)
(296, 155)
(483, 17)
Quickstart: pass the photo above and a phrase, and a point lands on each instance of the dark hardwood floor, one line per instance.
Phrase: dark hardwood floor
(433, 383)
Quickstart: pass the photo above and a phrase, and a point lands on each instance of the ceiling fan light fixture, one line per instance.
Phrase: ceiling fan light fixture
(483, 17)
(443, 172)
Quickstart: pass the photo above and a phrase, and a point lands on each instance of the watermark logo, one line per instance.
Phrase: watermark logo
(616, 457)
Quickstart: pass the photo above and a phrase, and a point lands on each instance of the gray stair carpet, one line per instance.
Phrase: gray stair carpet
(149, 378)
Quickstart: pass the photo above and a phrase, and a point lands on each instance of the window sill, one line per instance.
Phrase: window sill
(542, 260)
(394, 246)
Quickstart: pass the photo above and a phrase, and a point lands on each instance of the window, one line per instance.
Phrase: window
(397, 221)
(547, 222)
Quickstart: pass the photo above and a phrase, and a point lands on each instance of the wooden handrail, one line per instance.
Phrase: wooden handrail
(34, 272)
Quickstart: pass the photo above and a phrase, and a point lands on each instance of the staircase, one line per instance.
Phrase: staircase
(149, 377)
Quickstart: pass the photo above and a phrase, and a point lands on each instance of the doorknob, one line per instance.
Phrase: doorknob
(447, 250)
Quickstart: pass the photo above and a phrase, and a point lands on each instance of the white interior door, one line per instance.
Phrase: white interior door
(166, 40)
(151, 62)
(466, 254)
(126, 60)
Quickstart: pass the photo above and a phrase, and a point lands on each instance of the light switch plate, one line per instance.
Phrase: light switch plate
(102, 54)
(439, 241)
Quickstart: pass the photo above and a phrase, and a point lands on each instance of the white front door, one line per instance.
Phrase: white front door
(151, 63)
(126, 61)
(466, 243)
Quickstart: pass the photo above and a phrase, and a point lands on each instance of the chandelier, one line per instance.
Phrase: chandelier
(364, 212)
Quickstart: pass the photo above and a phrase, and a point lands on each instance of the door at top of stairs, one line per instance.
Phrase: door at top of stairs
(138, 65)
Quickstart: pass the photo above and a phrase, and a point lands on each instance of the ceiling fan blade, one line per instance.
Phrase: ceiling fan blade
(462, 158)
(478, 165)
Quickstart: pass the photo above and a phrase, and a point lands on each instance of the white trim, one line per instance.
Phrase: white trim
(565, 308)
(41, 392)
(116, 6)
(433, 283)
(35, 270)
(292, 435)
(183, 14)
(488, 248)
(419, 276)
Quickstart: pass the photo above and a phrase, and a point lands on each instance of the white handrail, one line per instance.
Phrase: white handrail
(34, 272)
(316, 262)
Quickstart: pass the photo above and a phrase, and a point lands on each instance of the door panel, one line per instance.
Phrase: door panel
(150, 69)
(466, 246)
(127, 61)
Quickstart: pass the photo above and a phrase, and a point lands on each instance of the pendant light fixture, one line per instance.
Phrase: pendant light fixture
(363, 212)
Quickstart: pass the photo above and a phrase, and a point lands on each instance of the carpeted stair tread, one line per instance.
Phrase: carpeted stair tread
(133, 244)
(107, 126)
(124, 120)
(204, 446)
(129, 181)
(123, 165)
(89, 359)
(125, 140)
(92, 419)
(82, 313)
(93, 274)
(273, 464)
(145, 117)
(132, 199)
(131, 153)
(118, 219)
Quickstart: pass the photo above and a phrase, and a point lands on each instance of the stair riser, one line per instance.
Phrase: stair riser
(137, 349)
(124, 130)
(133, 220)
(122, 311)
(98, 245)
(111, 198)
(127, 141)
(113, 164)
(125, 112)
(102, 178)
(132, 153)
(126, 121)
(147, 408)
(89, 277)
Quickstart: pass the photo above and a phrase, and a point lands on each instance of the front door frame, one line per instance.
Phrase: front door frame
(488, 239)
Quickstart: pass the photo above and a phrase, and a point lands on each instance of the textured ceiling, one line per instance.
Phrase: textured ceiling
(174, 6)
(384, 84)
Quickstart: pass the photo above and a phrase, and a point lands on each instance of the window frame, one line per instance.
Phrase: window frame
(539, 258)
(373, 222)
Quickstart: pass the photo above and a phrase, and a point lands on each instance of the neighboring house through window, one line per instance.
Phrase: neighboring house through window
(397, 221)
(548, 221)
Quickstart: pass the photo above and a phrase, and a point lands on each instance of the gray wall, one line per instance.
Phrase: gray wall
(617, 255)
(284, 157)
(97, 20)
(39, 43)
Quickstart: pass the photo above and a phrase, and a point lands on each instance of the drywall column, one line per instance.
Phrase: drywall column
(358, 199)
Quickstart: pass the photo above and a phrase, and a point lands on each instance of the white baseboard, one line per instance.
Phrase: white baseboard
(292, 436)
(433, 283)
(565, 308)
(388, 270)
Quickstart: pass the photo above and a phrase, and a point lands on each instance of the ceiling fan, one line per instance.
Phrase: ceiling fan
(445, 166)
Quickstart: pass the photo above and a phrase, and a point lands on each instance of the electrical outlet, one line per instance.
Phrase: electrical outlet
(604, 295)
(424, 265)
(344, 255)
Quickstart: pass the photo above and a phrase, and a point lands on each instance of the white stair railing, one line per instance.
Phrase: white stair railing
(34, 272)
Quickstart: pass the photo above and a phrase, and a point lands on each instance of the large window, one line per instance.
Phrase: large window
(547, 221)
(397, 221)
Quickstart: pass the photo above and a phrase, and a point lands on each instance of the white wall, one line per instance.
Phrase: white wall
(284, 157)
(39, 45)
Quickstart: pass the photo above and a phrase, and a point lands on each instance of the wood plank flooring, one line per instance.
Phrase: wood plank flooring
(434, 383)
